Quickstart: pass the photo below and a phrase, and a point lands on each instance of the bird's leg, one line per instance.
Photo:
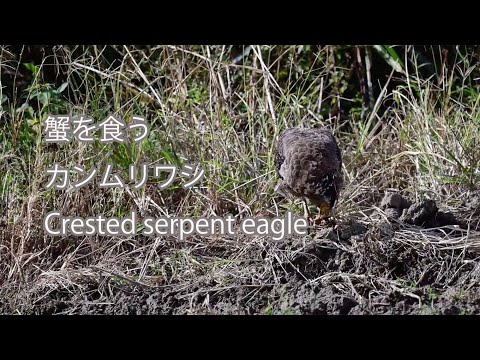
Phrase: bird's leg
(308, 216)
(306, 213)
(318, 219)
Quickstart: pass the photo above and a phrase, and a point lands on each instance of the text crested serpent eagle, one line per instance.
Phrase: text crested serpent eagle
(309, 165)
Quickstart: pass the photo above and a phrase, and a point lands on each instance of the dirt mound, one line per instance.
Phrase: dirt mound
(422, 213)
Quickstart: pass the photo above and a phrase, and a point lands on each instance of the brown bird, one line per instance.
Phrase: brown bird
(309, 165)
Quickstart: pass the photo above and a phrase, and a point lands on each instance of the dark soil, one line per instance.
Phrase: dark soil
(353, 268)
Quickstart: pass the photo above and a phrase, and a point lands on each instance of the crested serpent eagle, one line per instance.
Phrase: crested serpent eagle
(309, 165)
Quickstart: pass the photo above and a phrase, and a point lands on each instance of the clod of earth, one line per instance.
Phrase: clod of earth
(422, 213)
(395, 201)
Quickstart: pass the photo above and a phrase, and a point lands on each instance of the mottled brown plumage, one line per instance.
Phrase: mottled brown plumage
(309, 165)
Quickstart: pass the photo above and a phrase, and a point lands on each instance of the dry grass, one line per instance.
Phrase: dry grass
(226, 114)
